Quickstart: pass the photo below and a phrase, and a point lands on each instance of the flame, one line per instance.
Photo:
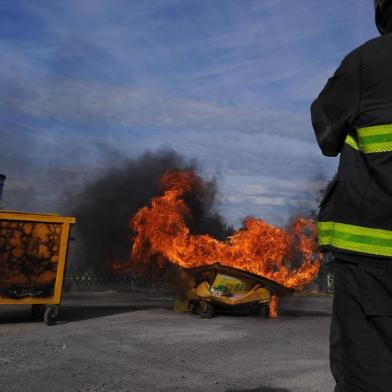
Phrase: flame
(258, 247)
(117, 267)
(274, 303)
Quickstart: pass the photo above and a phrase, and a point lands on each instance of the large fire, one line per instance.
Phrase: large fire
(258, 247)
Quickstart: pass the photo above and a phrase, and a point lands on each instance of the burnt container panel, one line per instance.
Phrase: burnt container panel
(32, 257)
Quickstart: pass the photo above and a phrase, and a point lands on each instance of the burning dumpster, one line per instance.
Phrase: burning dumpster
(208, 289)
(257, 262)
(33, 253)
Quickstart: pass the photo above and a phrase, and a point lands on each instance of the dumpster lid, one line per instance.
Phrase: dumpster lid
(270, 284)
(36, 217)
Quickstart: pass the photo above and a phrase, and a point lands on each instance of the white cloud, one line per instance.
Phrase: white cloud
(224, 81)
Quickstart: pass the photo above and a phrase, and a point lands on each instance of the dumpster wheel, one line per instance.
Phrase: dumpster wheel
(195, 308)
(206, 310)
(50, 315)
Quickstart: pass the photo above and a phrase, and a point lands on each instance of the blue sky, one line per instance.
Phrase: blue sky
(227, 82)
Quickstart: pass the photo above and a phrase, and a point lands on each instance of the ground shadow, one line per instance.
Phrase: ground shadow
(260, 389)
(303, 313)
(22, 313)
(292, 313)
(79, 313)
(69, 313)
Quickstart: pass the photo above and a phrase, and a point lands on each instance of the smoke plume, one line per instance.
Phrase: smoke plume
(104, 207)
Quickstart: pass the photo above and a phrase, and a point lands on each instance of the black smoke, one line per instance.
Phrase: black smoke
(104, 207)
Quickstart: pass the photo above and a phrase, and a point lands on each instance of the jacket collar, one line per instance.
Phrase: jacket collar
(387, 21)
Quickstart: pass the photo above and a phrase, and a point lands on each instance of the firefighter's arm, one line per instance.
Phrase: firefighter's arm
(334, 111)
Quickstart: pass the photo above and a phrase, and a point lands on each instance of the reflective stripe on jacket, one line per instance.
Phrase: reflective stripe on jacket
(353, 117)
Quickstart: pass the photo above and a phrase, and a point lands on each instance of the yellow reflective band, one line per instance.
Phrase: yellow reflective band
(352, 142)
(377, 138)
(377, 147)
(385, 129)
(355, 238)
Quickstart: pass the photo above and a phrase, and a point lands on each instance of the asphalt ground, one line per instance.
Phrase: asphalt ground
(112, 341)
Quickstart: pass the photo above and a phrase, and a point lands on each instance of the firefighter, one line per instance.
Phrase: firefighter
(353, 117)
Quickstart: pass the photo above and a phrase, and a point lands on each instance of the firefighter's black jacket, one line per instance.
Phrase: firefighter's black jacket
(353, 116)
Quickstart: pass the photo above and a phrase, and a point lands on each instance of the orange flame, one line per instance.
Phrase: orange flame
(258, 247)
(274, 303)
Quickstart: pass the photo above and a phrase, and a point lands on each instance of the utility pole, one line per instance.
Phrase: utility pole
(2, 179)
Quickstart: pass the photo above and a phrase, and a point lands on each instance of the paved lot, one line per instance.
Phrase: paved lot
(121, 342)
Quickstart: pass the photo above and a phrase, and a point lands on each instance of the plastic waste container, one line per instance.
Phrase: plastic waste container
(209, 288)
(33, 254)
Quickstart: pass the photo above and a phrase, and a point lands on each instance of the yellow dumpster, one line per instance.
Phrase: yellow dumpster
(205, 289)
(33, 254)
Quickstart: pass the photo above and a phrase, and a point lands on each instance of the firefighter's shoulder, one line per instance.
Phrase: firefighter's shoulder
(371, 49)
(381, 43)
